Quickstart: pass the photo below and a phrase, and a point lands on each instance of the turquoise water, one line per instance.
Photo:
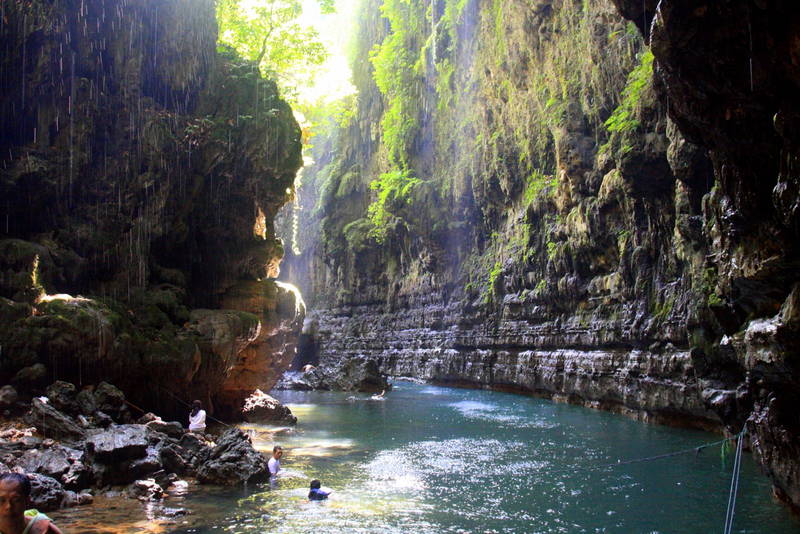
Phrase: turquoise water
(440, 460)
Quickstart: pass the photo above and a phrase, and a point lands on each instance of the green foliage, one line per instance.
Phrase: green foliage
(269, 34)
(398, 78)
(494, 275)
(552, 250)
(538, 184)
(358, 234)
(624, 119)
(394, 192)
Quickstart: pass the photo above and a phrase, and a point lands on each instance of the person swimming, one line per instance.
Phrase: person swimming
(316, 492)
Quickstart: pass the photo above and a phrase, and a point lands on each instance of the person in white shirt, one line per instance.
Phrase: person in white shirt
(274, 463)
(197, 418)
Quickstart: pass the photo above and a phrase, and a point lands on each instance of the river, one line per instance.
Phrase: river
(430, 459)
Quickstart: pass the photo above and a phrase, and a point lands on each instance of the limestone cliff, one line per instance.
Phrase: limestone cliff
(529, 197)
(142, 168)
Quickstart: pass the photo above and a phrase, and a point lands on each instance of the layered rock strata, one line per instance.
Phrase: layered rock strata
(543, 202)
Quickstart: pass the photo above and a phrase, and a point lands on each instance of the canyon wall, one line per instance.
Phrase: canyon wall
(592, 201)
(141, 170)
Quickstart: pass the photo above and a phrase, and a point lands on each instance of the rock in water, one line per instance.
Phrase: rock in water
(233, 461)
(261, 408)
(46, 493)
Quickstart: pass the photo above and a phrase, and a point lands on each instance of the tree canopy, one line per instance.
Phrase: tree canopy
(269, 33)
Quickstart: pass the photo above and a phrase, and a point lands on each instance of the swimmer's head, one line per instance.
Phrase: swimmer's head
(316, 484)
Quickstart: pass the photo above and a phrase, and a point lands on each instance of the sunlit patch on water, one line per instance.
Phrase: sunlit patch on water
(496, 414)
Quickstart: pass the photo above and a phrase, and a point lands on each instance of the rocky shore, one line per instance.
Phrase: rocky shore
(73, 444)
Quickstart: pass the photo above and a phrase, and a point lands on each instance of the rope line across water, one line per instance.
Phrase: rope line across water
(571, 469)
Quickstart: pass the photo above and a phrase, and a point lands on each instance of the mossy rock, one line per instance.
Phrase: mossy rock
(22, 264)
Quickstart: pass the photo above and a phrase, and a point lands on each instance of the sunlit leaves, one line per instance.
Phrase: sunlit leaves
(268, 32)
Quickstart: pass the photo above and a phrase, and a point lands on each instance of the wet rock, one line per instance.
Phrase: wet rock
(53, 462)
(77, 476)
(85, 402)
(261, 408)
(172, 429)
(146, 490)
(172, 458)
(120, 443)
(52, 423)
(30, 376)
(102, 419)
(352, 374)
(46, 492)
(233, 461)
(85, 498)
(8, 397)
(62, 396)
(146, 418)
(110, 400)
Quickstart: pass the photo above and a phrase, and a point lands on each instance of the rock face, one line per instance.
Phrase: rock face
(233, 461)
(540, 202)
(141, 169)
(261, 408)
(348, 374)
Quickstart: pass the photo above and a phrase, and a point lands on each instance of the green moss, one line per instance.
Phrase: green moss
(662, 310)
(537, 185)
(494, 277)
(394, 191)
(349, 183)
(358, 234)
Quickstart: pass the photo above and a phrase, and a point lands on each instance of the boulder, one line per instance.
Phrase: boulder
(118, 444)
(85, 401)
(110, 400)
(53, 462)
(146, 418)
(78, 476)
(33, 375)
(102, 419)
(52, 423)
(62, 396)
(233, 461)
(172, 429)
(261, 408)
(46, 492)
(354, 374)
(173, 459)
(146, 490)
(8, 397)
